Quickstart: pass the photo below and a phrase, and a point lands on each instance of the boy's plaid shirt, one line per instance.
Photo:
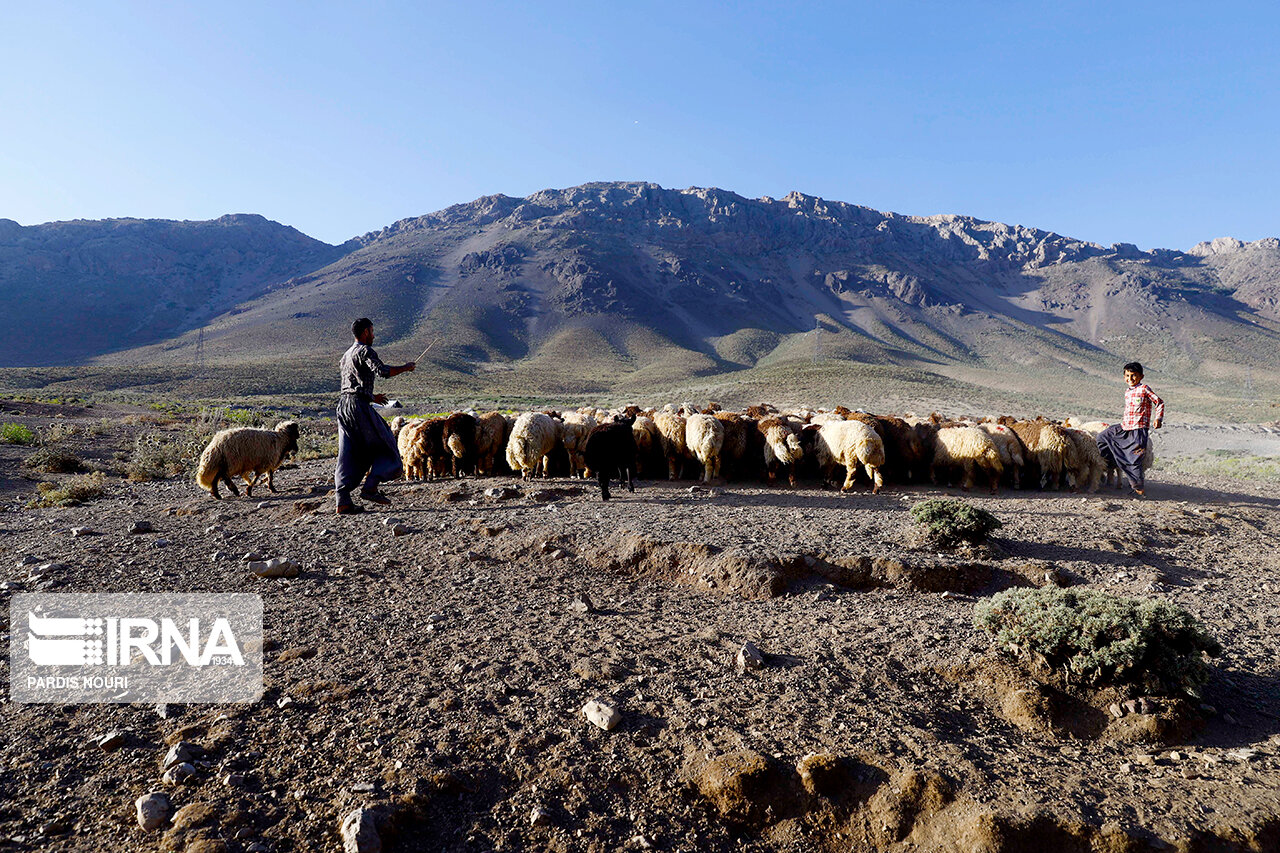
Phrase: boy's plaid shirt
(1141, 406)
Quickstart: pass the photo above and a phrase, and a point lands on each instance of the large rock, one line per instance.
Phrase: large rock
(154, 809)
(359, 832)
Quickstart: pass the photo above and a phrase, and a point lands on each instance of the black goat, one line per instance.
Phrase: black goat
(610, 451)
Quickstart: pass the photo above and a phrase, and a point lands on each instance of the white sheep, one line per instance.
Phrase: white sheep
(574, 428)
(1010, 447)
(671, 429)
(533, 437)
(648, 444)
(704, 439)
(850, 443)
(969, 448)
(243, 451)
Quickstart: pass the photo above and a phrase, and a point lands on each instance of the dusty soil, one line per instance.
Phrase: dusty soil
(438, 678)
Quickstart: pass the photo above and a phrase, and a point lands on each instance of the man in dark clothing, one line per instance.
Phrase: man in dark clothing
(365, 442)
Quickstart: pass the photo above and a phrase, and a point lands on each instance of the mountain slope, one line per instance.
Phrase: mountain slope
(88, 287)
(629, 287)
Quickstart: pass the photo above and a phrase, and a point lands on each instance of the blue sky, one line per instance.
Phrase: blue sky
(1151, 123)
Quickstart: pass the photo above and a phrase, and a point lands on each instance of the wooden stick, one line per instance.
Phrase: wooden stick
(425, 351)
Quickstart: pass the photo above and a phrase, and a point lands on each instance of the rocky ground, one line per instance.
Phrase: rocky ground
(430, 686)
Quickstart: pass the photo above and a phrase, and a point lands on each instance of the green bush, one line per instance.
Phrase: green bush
(17, 434)
(50, 460)
(950, 522)
(1096, 637)
(76, 490)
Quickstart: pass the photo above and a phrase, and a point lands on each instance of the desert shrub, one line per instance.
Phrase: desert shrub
(156, 457)
(950, 522)
(1095, 637)
(75, 490)
(315, 445)
(17, 434)
(58, 431)
(51, 460)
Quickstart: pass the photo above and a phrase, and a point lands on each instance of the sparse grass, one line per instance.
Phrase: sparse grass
(70, 492)
(51, 460)
(950, 522)
(314, 445)
(17, 434)
(1095, 637)
(1225, 464)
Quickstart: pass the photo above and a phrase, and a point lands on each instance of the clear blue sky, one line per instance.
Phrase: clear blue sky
(1152, 123)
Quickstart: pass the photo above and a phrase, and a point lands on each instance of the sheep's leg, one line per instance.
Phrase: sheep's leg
(631, 480)
(248, 490)
(271, 482)
(603, 477)
(849, 471)
(226, 478)
(967, 482)
(791, 475)
(876, 480)
(213, 492)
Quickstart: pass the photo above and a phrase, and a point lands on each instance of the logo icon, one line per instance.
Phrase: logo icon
(59, 641)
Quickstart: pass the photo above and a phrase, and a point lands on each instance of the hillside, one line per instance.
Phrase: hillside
(632, 289)
(84, 288)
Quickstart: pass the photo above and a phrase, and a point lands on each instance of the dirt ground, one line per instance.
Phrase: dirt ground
(437, 678)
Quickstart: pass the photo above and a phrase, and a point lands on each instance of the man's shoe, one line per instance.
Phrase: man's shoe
(376, 498)
(350, 509)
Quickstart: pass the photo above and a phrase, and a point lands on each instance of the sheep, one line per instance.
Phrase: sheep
(574, 428)
(734, 453)
(907, 455)
(1047, 449)
(671, 430)
(704, 439)
(781, 448)
(242, 451)
(970, 449)
(1012, 453)
(850, 443)
(649, 455)
(609, 451)
(458, 436)
(532, 438)
(823, 418)
(406, 433)
(491, 435)
(1088, 466)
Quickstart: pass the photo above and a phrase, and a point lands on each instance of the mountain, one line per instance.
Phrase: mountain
(84, 288)
(630, 288)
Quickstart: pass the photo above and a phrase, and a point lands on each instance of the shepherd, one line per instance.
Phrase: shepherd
(365, 442)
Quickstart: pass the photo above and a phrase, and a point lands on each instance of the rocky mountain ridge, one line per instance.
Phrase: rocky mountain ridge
(629, 285)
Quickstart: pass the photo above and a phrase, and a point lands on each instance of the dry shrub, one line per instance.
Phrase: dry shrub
(49, 460)
(70, 492)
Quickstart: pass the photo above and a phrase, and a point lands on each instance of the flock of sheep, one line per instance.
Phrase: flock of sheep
(761, 443)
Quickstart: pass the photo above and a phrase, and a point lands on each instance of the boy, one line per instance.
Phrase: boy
(1124, 444)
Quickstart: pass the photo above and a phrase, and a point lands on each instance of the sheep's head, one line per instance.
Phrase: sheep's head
(795, 452)
(289, 429)
(397, 424)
